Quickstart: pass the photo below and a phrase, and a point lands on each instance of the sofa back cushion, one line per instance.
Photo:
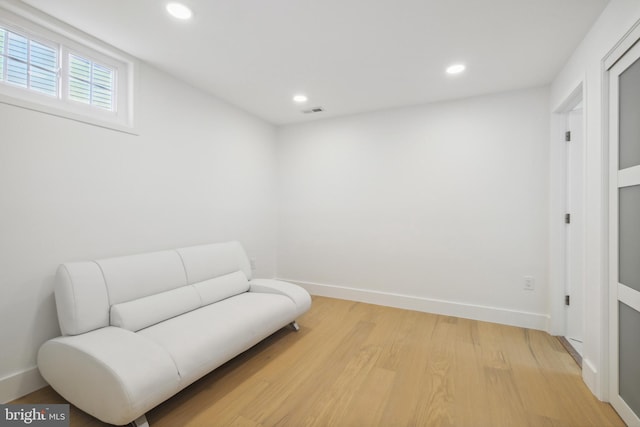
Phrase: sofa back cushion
(81, 296)
(214, 260)
(136, 276)
(137, 291)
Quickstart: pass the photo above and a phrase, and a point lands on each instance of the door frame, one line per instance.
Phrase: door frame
(575, 232)
(557, 204)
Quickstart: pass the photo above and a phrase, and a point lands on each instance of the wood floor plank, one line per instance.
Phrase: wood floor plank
(435, 407)
(240, 421)
(506, 407)
(296, 398)
(334, 403)
(396, 331)
(360, 365)
(470, 406)
(367, 405)
(408, 387)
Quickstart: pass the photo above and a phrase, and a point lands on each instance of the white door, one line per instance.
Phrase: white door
(624, 249)
(574, 223)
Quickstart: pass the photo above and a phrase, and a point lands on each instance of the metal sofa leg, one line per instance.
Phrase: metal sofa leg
(294, 325)
(141, 421)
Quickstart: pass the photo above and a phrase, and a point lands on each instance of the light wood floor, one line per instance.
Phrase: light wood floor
(360, 365)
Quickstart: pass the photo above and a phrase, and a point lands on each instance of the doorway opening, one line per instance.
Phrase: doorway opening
(574, 226)
(567, 223)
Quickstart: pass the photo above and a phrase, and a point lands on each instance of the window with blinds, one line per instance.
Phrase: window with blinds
(46, 71)
(35, 66)
(28, 64)
(91, 83)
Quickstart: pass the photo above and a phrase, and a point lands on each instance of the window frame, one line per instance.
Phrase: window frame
(46, 30)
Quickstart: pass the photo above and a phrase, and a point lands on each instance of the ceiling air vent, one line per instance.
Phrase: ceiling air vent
(313, 110)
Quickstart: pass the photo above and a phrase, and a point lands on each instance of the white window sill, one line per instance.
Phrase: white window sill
(58, 112)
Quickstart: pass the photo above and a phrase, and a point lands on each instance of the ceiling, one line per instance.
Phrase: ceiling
(348, 56)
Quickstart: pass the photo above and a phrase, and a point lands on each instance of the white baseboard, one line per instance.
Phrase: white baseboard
(20, 384)
(504, 316)
(590, 378)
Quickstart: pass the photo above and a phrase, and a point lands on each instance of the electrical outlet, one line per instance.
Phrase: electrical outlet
(252, 262)
(529, 283)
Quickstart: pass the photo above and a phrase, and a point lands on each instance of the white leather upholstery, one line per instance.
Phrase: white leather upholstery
(140, 328)
(111, 373)
(219, 288)
(81, 298)
(202, 340)
(298, 295)
(206, 261)
(143, 312)
(136, 276)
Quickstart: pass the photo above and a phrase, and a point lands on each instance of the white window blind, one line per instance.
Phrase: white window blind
(65, 75)
(33, 65)
(91, 83)
(28, 64)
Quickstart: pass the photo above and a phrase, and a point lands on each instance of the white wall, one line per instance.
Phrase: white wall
(440, 207)
(199, 171)
(586, 65)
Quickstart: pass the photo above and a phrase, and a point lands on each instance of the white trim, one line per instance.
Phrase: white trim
(573, 98)
(20, 384)
(558, 198)
(21, 17)
(52, 111)
(626, 42)
(503, 316)
(589, 374)
(602, 291)
(626, 61)
(629, 177)
(557, 243)
(611, 105)
(629, 296)
(626, 413)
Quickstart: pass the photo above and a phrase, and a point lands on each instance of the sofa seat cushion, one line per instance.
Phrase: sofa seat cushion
(201, 340)
(298, 295)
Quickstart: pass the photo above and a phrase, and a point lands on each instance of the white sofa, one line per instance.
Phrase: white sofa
(138, 329)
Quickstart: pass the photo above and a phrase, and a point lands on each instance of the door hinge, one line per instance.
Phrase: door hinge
(567, 300)
(567, 218)
(567, 136)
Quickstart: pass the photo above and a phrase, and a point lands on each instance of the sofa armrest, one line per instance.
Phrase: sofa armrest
(111, 373)
(298, 295)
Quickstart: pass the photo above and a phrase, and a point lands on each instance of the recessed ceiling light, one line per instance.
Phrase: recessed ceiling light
(455, 69)
(179, 11)
(300, 99)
